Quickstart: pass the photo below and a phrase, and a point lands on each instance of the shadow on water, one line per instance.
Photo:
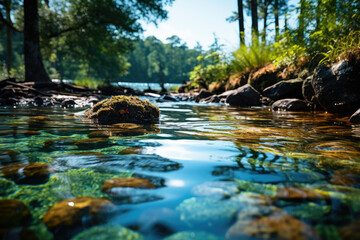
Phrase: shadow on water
(203, 172)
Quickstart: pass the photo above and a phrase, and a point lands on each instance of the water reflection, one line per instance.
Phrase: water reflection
(214, 172)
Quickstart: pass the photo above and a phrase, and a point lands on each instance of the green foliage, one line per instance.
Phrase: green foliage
(252, 57)
(339, 46)
(213, 67)
(89, 82)
(154, 61)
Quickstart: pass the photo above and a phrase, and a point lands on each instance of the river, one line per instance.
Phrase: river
(217, 172)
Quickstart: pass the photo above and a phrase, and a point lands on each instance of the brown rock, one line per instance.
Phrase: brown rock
(345, 177)
(70, 216)
(298, 194)
(92, 143)
(127, 182)
(280, 227)
(28, 173)
(351, 232)
(13, 214)
(131, 150)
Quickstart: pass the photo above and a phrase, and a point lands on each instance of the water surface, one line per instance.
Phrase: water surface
(220, 172)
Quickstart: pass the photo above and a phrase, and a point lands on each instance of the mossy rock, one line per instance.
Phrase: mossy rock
(196, 235)
(123, 109)
(108, 232)
(13, 213)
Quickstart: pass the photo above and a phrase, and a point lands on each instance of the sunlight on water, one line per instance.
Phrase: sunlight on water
(202, 172)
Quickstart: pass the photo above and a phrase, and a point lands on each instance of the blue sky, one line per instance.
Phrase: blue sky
(197, 20)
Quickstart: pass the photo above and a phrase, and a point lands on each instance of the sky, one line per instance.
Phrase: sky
(197, 21)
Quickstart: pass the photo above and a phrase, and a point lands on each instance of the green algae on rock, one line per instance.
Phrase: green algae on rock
(120, 109)
(108, 232)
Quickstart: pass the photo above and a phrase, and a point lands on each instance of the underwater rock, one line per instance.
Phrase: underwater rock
(8, 155)
(130, 182)
(131, 150)
(337, 150)
(123, 109)
(280, 227)
(57, 144)
(345, 177)
(351, 232)
(108, 232)
(28, 173)
(290, 104)
(91, 143)
(245, 96)
(299, 194)
(284, 89)
(15, 133)
(207, 212)
(196, 235)
(13, 214)
(6, 186)
(337, 88)
(216, 190)
(355, 118)
(70, 216)
(268, 222)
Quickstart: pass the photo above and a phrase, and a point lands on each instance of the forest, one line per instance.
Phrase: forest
(113, 50)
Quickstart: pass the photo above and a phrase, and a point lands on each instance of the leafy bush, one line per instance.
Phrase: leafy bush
(213, 67)
(252, 57)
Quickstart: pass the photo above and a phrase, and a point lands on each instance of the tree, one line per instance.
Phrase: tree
(254, 21)
(34, 68)
(241, 22)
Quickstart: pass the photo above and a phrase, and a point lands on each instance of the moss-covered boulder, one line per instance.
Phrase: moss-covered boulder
(70, 216)
(120, 109)
(108, 232)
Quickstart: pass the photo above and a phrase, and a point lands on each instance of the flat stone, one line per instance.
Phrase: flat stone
(70, 216)
(130, 182)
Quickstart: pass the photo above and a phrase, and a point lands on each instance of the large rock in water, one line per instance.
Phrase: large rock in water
(337, 88)
(70, 216)
(290, 104)
(120, 109)
(245, 96)
(284, 89)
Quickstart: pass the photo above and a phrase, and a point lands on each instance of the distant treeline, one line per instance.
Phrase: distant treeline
(151, 61)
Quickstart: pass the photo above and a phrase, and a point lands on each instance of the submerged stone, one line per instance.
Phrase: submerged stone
(91, 143)
(68, 217)
(123, 109)
(131, 150)
(207, 211)
(195, 235)
(267, 222)
(13, 214)
(299, 194)
(108, 232)
(352, 231)
(130, 182)
(345, 177)
(28, 173)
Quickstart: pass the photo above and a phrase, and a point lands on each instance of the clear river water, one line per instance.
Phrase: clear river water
(215, 172)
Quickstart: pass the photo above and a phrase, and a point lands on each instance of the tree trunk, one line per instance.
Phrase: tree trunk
(301, 28)
(263, 40)
(318, 14)
(34, 68)
(254, 21)
(8, 37)
(276, 14)
(241, 22)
